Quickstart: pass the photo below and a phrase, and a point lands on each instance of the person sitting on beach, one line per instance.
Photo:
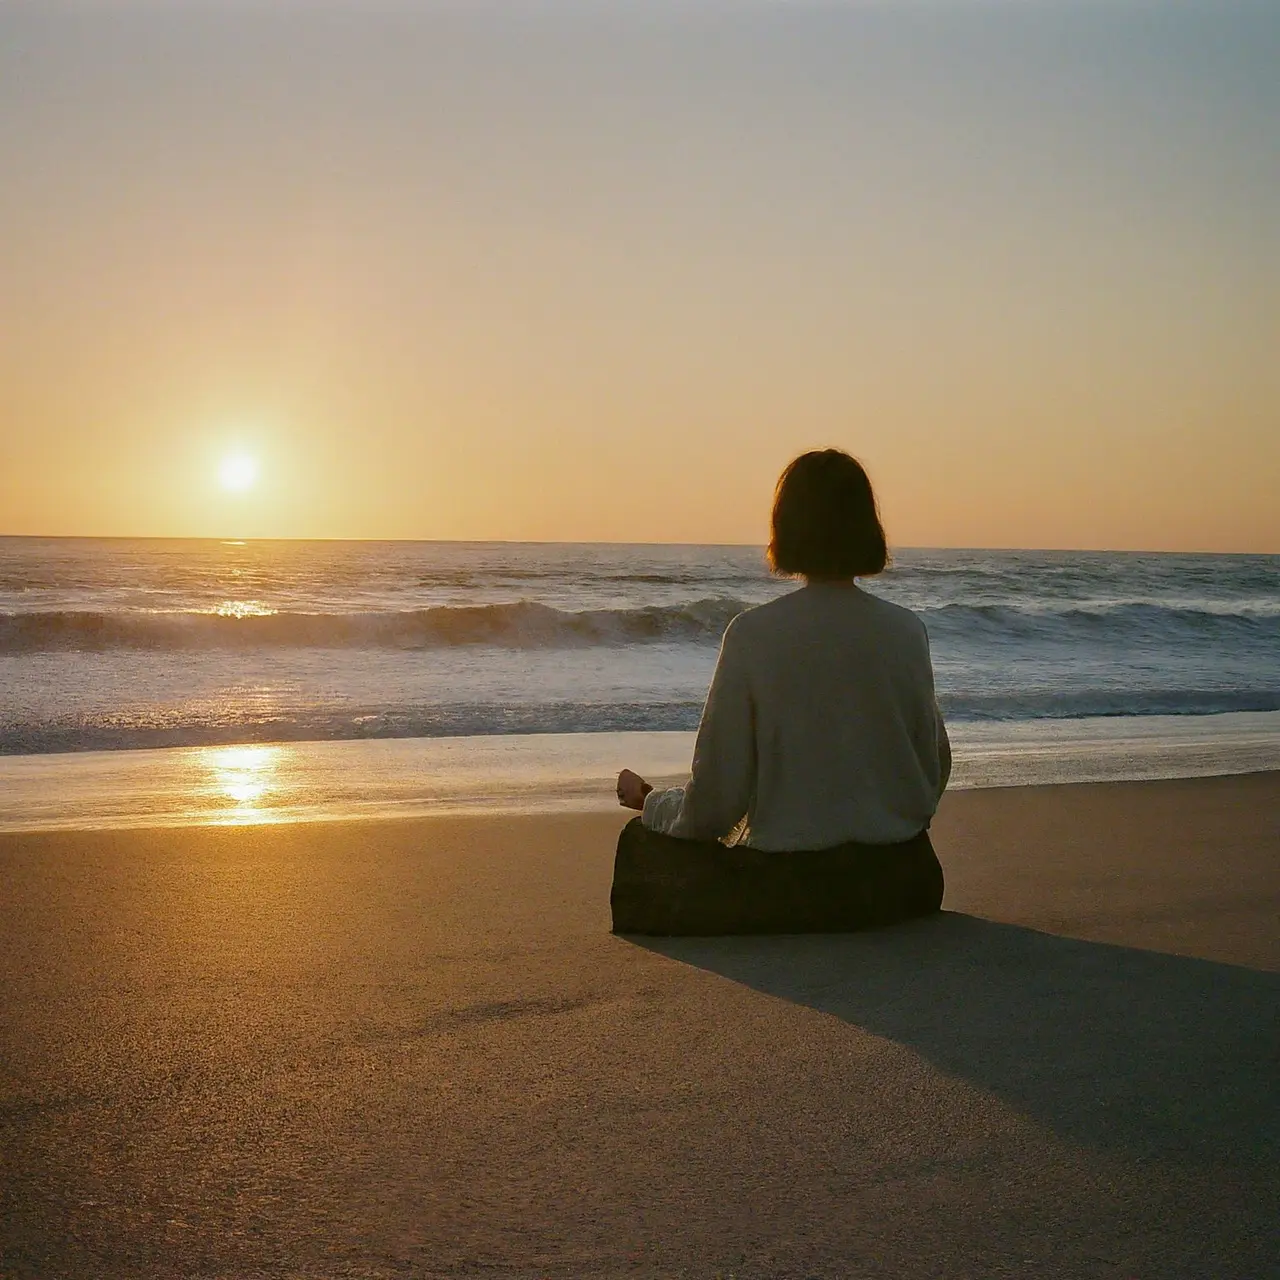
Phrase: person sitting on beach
(821, 755)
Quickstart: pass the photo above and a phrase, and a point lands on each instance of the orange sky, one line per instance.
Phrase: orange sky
(598, 275)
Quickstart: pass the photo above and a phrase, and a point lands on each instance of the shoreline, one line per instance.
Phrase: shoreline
(369, 779)
(495, 811)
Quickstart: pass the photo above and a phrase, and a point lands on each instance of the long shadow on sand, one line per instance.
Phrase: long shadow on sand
(1153, 1054)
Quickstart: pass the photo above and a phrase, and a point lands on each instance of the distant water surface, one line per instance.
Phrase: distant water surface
(108, 644)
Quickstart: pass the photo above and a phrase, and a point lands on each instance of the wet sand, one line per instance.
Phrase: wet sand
(413, 1049)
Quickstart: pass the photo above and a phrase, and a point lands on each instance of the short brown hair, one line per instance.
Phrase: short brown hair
(825, 523)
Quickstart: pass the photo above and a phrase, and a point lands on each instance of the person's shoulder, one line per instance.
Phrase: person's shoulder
(892, 610)
(762, 617)
(758, 621)
(898, 618)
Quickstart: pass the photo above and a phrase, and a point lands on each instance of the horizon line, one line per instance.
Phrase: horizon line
(552, 542)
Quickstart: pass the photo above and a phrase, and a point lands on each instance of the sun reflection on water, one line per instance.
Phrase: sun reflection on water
(247, 777)
(244, 609)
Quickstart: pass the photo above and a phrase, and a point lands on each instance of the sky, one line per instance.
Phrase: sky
(596, 272)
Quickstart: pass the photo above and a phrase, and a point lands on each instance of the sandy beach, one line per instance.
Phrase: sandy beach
(414, 1049)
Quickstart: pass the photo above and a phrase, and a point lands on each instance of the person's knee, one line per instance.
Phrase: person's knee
(631, 835)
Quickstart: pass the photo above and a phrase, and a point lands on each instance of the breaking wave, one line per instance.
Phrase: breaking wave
(528, 624)
(1125, 622)
(523, 624)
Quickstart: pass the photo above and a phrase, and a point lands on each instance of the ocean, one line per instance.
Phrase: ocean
(118, 646)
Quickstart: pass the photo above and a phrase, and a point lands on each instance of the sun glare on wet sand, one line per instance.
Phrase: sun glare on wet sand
(244, 776)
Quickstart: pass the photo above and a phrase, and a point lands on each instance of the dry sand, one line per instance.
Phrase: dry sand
(412, 1049)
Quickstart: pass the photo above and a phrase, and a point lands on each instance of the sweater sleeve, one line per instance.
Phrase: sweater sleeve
(934, 745)
(720, 787)
(944, 749)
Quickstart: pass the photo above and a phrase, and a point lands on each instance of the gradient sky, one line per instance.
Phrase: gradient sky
(595, 272)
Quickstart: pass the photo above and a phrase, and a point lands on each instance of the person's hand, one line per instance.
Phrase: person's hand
(632, 789)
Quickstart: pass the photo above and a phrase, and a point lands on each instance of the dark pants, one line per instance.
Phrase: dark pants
(666, 886)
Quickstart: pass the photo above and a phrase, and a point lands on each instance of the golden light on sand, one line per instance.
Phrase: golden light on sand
(246, 776)
(238, 472)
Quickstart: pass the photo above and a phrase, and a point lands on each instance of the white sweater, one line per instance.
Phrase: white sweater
(821, 727)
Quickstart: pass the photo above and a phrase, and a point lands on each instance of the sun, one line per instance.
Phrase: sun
(238, 472)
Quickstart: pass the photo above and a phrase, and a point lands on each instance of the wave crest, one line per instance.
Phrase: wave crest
(522, 624)
(532, 625)
(1126, 621)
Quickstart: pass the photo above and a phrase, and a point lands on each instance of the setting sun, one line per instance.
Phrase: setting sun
(238, 472)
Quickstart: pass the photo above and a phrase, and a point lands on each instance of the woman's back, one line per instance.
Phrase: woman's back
(846, 722)
(821, 728)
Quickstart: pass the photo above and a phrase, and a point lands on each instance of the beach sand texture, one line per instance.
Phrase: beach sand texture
(414, 1049)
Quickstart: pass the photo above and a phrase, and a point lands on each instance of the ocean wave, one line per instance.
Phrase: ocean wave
(522, 624)
(190, 727)
(529, 624)
(180, 728)
(1123, 622)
